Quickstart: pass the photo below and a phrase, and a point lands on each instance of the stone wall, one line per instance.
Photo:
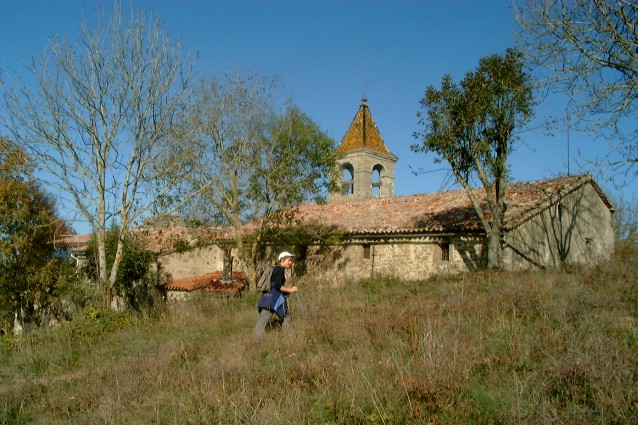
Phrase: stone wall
(197, 262)
(409, 259)
(414, 259)
(363, 163)
(576, 230)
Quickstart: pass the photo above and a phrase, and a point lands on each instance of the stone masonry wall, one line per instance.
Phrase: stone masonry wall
(403, 260)
(577, 230)
(415, 260)
(406, 259)
(197, 262)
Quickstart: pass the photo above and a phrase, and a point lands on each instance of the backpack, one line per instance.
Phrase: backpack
(263, 284)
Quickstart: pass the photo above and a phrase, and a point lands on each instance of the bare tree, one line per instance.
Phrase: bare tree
(98, 122)
(588, 49)
(254, 155)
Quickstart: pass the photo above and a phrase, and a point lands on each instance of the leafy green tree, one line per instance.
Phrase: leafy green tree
(252, 160)
(588, 49)
(135, 263)
(99, 122)
(472, 126)
(32, 275)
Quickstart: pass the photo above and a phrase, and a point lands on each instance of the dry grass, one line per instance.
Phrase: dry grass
(535, 348)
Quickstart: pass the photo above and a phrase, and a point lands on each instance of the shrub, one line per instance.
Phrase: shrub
(134, 267)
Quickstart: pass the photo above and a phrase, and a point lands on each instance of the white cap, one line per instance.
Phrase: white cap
(284, 254)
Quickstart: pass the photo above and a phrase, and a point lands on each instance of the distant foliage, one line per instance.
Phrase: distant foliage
(32, 273)
(135, 266)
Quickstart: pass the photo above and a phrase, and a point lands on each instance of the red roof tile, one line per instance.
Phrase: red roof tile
(164, 239)
(450, 211)
(74, 243)
(211, 282)
(438, 212)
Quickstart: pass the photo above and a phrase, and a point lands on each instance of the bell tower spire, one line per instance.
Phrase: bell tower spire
(367, 167)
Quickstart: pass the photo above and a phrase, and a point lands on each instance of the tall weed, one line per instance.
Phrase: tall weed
(492, 347)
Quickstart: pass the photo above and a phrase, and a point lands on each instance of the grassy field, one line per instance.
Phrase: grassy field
(541, 347)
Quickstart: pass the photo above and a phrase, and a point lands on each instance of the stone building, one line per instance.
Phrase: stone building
(548, 223)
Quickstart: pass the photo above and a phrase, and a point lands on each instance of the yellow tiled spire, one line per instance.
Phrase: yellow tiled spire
(363, 133)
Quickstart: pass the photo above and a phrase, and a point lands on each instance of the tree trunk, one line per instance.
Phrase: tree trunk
(494, 248)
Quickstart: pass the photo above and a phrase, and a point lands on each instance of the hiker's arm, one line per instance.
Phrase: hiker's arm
(290, 290)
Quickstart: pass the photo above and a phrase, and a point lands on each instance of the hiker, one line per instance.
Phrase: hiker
(275, 300)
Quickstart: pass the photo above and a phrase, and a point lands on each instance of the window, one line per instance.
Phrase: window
(366, 251)
(376, 180)
(347, 182)
(445, 251)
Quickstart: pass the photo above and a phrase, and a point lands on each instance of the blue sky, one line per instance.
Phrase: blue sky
(329, 54)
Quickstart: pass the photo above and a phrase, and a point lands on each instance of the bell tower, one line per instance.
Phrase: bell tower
(367, 167)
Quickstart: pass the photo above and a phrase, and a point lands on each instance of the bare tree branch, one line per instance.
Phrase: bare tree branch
(588, 49)
(99, 120)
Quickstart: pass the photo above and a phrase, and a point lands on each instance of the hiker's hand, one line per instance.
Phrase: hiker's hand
(293, 289)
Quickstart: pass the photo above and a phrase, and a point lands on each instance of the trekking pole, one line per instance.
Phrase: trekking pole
(300, 304)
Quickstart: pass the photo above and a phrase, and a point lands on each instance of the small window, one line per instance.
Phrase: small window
(445, 251)
(376, 181)
(366, 251)
(347, 182)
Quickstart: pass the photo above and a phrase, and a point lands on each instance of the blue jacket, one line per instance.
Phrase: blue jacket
(274, 300)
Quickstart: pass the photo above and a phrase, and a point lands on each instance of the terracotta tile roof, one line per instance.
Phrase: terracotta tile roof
(363, 134)
(440, 212)
(163, 239)
(160, 239)
(211, 282)
(74, 243)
